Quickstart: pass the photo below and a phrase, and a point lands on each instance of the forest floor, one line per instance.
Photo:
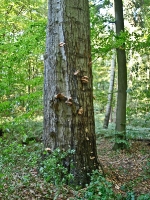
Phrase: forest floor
(128, 171)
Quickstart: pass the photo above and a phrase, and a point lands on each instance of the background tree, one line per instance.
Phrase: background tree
(122, 79)
(109, 107)
(111, 89)
(68, 89)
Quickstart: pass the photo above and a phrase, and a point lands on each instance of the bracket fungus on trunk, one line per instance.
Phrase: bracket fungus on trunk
(85, 79)
(69, 101)
(60, 96)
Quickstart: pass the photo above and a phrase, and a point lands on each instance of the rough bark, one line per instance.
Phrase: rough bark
(110, 91)
(122, 80)
(68, 93)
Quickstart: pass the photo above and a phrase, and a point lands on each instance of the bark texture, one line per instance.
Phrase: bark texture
(122, 78)
(68, 93)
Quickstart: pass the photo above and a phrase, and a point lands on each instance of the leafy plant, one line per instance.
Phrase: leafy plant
(53, 167)
(130, 196)
(99, 188)
(144, 197)
(16, 161)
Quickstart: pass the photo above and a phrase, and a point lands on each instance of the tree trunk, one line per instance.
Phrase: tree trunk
(110, 92)
(68, 89)
(122, 80)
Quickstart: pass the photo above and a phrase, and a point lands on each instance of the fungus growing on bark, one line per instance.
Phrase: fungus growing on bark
(48, 150)
(86, 130)
(60, 96)
(61, 44)
(92, 157)
(85, 79)
(80, 111)
(77, 72)
(69, 101)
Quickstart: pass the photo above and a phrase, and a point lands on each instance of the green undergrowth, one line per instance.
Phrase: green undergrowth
(23, 131)
(138, 127)
(25, 174)
(52, 168)
(132, 132)
(16, 163)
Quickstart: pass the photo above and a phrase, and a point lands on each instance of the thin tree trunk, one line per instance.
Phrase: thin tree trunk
(122, 80)
(68, 89)
(110, 92)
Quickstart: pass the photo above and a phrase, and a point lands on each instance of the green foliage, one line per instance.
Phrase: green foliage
(138, 128)
(99, 188)
(16, 161)
(130, 196)
(144, 197)
(137, 132)
(55, 167)
(24, 131)
(23, 40)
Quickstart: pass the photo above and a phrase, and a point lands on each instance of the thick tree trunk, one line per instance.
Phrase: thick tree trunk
(68, 93)
(122, 80)
(110, 92)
